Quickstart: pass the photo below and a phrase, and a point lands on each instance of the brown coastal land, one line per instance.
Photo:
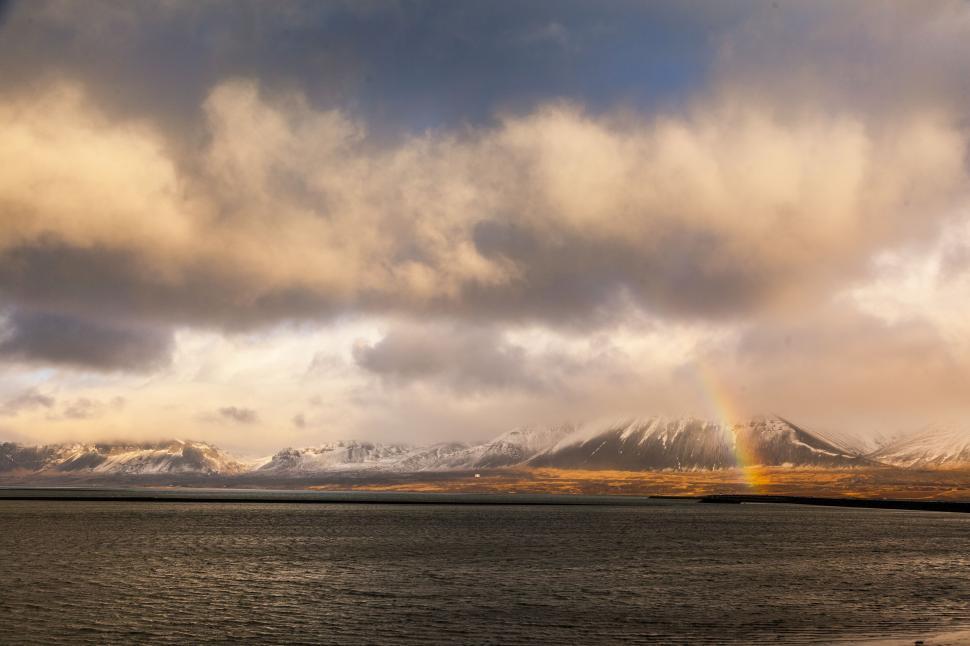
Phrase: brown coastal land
(950, 485)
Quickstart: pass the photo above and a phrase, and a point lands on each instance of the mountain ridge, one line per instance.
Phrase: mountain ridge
(172, 456)
(635, 444)
(689, 443)
(929, 448)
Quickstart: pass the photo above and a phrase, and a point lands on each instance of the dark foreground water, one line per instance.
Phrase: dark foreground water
(123, 572)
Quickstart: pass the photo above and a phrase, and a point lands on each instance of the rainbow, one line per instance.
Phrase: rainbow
(728, 416)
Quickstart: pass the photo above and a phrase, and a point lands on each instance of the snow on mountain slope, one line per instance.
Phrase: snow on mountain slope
(14, 457)
(657, 443)
(517, 446)
(776, 441)
(512, 448)
(848, 442)
(931, 448)
(640, 444)
(433, 457)
(338, 456)
(690, 443)
(173, 457)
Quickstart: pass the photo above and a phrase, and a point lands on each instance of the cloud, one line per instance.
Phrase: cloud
(879, 59)
(239, 415)
(842, 368)
(464, 359)
(552, 33)
(84, 408)
(27, 401)
(63, 339)
(404, 67)
(555, 216)
(549, 212)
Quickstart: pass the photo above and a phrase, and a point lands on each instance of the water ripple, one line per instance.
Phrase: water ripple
(121, 573)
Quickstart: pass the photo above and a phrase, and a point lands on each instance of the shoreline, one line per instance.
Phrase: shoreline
(291, 496)
(859, 503)
(960, 637)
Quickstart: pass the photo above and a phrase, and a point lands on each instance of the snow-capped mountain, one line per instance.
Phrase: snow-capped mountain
(509, 449)
(432, 457)
(513, 448)
(336, 456)
(848, 442)
(656, 443)
(689, 443)
(173, 457)
(633, 445)
(927, 449)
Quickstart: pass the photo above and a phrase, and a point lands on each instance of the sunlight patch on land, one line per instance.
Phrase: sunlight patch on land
(856, 483)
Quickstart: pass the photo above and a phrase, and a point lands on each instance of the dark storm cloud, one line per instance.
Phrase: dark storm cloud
(61, 339)
(465, 359)
(239, 415)
(476, 360)
(403, 65)
(104, 281)
(584, 282)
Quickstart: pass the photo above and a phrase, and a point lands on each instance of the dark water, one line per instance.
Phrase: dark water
(124, 572)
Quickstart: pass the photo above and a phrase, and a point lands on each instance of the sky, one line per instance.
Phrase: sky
(268, 224)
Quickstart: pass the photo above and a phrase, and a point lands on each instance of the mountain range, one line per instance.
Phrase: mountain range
(658, 443)
(172, 457)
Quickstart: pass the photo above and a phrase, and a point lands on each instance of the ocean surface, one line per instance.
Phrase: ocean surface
(660, 572)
